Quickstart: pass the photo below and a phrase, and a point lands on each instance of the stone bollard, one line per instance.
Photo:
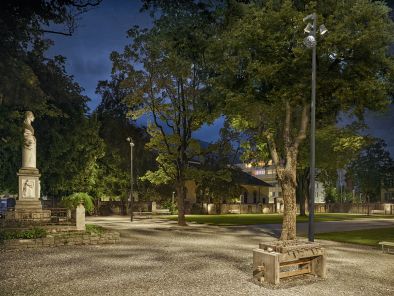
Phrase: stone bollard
(80, 217)
(153, 207)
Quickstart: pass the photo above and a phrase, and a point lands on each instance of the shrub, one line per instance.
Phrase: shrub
(171, 206)
(90, 228)
(73, 200)
(22, 234)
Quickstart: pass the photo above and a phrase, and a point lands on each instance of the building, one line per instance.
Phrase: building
(254, 190)
(267, 173)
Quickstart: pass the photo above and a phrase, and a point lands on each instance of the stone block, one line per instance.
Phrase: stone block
(80, 217)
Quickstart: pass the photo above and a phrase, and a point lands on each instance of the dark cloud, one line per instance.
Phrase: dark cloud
(103, 30)
(100, 31)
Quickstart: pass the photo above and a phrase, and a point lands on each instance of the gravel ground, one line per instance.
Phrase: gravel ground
(156, 257)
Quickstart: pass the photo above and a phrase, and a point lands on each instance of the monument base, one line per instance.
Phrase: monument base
(28, 216)
(28, 208)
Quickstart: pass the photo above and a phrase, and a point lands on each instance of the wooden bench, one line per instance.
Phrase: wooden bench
(143, 214)
(234, 211)
(162, 212)
(388, 246)
(379, 212)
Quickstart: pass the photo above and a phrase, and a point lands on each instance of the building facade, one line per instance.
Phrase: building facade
(267, 173)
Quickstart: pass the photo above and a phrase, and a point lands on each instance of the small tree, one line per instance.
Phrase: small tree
(164, 70)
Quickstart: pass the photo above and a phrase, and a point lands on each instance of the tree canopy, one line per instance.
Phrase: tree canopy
(263, 74)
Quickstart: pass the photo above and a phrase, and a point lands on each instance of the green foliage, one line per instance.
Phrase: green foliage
(114, 167)
(333, 195)
(165, 79)
(171, 206)
(94, 229)
(73, 200)
(261, 64)
(371, 168)
(22, 234)
(68, 144)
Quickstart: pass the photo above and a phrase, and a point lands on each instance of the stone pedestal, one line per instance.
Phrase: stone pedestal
(80, 217)
(28, 206)
(281, 259)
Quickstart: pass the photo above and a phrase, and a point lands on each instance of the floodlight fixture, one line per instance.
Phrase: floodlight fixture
(323, 30)
(308, 29)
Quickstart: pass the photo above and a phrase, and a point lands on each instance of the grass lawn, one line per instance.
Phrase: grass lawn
(369, 237)
(252, 219)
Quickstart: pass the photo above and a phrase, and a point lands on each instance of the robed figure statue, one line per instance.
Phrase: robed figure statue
(29, 142)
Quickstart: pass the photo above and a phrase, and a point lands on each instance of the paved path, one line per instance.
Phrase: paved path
(156, 257)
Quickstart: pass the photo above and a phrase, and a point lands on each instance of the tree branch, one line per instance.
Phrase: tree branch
(303, 126)
(286, 130)
(56, 32)
(87, 4)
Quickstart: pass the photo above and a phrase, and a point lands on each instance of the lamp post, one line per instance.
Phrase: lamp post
(310, 42)
(130, 140)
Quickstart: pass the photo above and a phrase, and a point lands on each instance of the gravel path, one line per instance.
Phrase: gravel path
(156, 257)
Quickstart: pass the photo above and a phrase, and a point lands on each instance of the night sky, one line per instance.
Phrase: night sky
(103, 30)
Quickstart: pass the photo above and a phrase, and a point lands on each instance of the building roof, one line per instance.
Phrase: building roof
(244, 178)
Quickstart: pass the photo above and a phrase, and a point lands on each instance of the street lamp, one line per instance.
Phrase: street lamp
(130, 140)
(311, 42)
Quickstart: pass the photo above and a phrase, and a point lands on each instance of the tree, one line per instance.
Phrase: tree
(371, 168)
(263, 74)
(164, 70)
(114, 167)
(69, 147)
(336, 147)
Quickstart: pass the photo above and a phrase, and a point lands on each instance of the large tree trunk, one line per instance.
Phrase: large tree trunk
(302, 189)
(287, 173)
(181, 196)
(289, 229)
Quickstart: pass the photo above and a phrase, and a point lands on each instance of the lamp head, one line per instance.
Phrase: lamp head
(308, 29)
(310, 41)
(130, 140)
(309, 17)
(323, 30)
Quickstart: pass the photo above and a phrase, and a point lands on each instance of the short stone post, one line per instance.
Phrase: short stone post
(80, 217)
(154, 208)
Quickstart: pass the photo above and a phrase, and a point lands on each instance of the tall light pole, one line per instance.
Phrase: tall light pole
(130, 140)
(311, 41)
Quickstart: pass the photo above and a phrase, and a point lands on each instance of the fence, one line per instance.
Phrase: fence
(45, 217)
(212, 208)
(356, 208)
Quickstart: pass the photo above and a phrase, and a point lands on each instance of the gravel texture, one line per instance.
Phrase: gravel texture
(156, 257)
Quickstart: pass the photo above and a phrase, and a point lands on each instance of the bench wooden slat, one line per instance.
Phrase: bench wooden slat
(386, 243)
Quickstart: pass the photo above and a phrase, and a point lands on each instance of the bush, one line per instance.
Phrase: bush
(22, 234)
(72, 201)
(90, 228)
(171, 206)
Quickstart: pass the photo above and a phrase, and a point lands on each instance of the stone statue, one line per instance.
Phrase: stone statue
(29, 142)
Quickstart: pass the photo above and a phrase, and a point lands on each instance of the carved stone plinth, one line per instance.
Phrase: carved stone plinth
(280, 259)
(28, 206)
